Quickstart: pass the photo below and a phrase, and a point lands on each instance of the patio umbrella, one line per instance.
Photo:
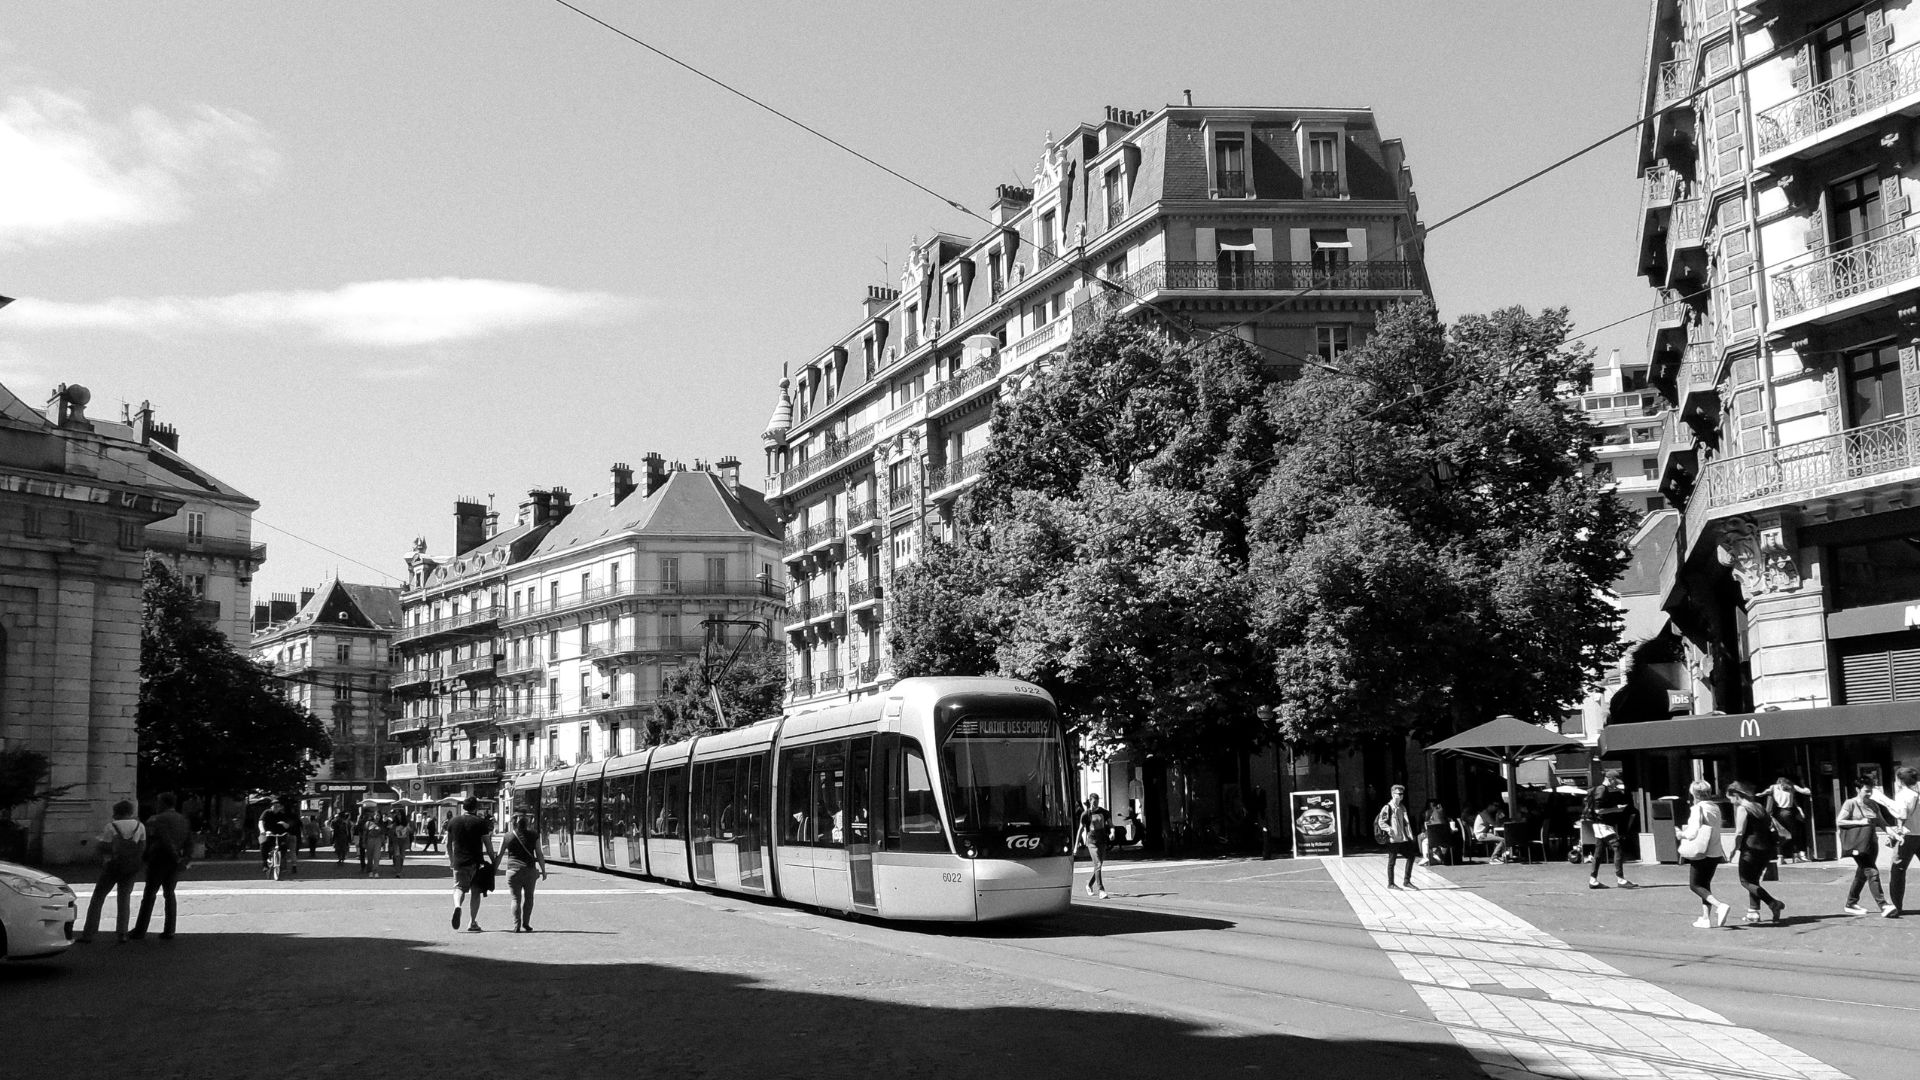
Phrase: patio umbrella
(1507, 741)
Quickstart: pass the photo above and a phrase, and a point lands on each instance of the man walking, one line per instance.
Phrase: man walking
(469, 847)
(1608, 812)
(1904, 832)
(169, 850)
(1393, 824)
(1094, 830)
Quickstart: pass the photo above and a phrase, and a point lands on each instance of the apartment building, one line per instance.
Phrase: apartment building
(1778, 224)
(1294, 226)
(331, 653)
(545, 643)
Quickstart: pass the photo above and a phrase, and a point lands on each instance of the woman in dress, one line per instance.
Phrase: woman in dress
(525, 866)
(1757, 844)
(1859, 822)
(1702, 851)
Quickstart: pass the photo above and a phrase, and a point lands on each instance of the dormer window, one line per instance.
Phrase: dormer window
(995, 279)
(1046, 235)
(1229, 165)
(1323, 160)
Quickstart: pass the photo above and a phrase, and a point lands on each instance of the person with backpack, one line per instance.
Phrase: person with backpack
(1781, 801)
(123, 848)
(1756, 842)
(1860, 822)
(169, 851)
(1393, 829)
(1608, 813)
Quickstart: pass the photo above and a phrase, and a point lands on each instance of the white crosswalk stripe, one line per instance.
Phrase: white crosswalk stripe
(1470, 960)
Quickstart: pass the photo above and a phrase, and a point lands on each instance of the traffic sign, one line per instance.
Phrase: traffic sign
(416, 786)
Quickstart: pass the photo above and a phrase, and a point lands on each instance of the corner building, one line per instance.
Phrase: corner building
(332, 656)
(1778, 222)
(1296, 227)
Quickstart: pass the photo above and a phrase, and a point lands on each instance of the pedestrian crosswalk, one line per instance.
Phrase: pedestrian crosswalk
(1526, 1004)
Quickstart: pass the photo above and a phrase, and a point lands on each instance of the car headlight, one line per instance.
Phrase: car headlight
(26, 886)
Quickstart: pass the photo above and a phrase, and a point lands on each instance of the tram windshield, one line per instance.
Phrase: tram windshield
(1004, 772)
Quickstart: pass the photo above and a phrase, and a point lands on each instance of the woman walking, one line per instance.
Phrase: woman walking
(1859, 822)
(524, 862)
(399, 838)
(123, 849)
(342, 826)
(1701, 850)
(372, 835)
(1395, 830)
(1757, 843)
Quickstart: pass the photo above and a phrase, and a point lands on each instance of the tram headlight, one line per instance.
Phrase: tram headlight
(969, 851)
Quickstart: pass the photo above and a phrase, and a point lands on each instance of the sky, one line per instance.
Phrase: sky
(370, 258)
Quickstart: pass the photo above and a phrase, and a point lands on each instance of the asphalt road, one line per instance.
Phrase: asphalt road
(1199, 969)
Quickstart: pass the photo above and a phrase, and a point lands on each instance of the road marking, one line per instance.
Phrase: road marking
(1468, 958)
(437, 890)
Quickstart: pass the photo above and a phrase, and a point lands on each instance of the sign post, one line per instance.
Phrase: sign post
(1316, 824)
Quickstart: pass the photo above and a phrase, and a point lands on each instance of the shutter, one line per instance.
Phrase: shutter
(1816, 234)
(1894, 198)
(1204, 250)
(1879, 35)
(1866, 678)
(1802, 70)
(1263, 245)
(1301, 241)
(1906, 674)
(1358, 238)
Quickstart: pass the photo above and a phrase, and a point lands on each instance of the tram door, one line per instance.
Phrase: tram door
(860, 822)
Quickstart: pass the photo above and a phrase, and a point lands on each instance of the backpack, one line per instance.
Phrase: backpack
(128, 853)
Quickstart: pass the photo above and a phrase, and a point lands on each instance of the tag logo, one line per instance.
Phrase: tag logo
(1023, 843)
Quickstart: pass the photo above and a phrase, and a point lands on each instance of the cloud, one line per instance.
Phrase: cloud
(70, 173)
(387, 314)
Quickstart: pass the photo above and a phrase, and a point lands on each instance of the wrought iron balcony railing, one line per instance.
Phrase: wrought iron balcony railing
(1116, 210)
(1676, 83)
(1855, 457)
(482, 664)
(953, 472)
(898, 496)
(417, 676)
(832, 455)
(481, 714)
(830, 682)
(980, 374)
(1687, 227)
(218, 547)
(1859, 92)
(1662, 186)
(1845, 272)
(1323, 185)
(870, 670)
(860, 515)
(800, 688)
(447, 624)
(1230, 183)
(401, 725)
(859, 592)
(1266, 276)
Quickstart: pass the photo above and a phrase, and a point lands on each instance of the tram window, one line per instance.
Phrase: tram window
(830, 794)
(919, 813)
(753, 792)
(636, 802)
(586, 807)
(724, 793)
(701, 812)
(796, 776)
(665, 792)
(613, 809)
(859, 769)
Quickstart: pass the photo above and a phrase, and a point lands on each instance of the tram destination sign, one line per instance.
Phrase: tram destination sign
(996, 728)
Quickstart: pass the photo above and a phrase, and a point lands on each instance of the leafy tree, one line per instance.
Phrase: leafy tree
(751, 688)
(1102, 553)
(1430, 548)
(23, 774)
(210, 719)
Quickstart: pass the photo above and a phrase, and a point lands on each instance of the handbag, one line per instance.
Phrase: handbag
(483, 876)
(1695, 846)
(1855, 839)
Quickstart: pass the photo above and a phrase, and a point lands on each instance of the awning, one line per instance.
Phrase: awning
(1777, 726)
(1324, 244)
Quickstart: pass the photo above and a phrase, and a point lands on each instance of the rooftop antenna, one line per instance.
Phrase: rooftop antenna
(886, 266)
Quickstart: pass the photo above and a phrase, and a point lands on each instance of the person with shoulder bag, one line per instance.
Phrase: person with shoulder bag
(169, 852)
(1392, 828)
(1702, 851)
(399, 838)
(1859, 822)
(1757, 844)
(123, 848)
(1607, 812)
(526, 867)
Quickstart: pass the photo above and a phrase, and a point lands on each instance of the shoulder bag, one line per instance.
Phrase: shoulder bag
(1694, 842)
(1856, 839)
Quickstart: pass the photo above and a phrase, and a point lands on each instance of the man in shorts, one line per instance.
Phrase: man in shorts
(1903, 833)
(1094, 832)
(469, 846)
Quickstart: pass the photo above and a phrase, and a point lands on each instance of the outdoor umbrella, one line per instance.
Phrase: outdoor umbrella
(1507, 741)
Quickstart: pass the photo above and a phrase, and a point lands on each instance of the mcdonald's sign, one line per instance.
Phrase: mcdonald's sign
(1749, 727)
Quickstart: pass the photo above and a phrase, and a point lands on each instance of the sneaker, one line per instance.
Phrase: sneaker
(1701, 923)
(1855, 909)
(1623, 883)
(1103, 894)
(1890, 912)
(1753, 917)
(1777, 907)
(1720, 913)
(456, 918)
(475, 929)
(1594, 883)
(1410, 885)
(1392, 886)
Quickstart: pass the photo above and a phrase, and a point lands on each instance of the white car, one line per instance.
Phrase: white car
(36, 913)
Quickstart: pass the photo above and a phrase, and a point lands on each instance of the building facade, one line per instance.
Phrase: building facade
(1295, 227)
(1778, 223)
(332, 654)
(74, 511)
(545, 643)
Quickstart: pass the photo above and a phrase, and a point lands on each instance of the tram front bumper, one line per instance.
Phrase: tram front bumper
(1021, 889)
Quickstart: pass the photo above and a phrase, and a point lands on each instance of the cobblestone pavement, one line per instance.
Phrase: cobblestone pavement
(1193, 968)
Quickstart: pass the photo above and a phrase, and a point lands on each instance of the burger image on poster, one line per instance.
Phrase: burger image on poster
(1314, 821)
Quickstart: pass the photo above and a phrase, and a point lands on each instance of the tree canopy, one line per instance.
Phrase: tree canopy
(211, 720)
(751, 688)
(1430, 547)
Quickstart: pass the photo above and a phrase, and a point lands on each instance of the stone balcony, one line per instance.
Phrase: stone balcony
(1814, 475)
(1839, 110)
(1844, 281)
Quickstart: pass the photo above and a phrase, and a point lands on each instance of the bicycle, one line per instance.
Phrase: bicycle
(280, 861)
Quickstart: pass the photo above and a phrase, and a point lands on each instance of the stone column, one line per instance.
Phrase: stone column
(1786, 611)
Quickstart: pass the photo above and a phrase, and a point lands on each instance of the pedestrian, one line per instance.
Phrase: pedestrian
(469, 850)
(433, 833)
(1607, 814)
(279, 827)
(123, 848)
(525, 867)
(1094, 829)
(1394, 828)
(1859, 822)
(399, 838)
(1490, 827)
(1702, 851)
(1756, 843)
(1903, 834)
(1781, 803)
(372, 836)
(169, 851)
(1436, 834)
(342, 825)
(310, 830)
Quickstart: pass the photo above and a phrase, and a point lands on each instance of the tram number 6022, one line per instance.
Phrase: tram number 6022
(950, 879)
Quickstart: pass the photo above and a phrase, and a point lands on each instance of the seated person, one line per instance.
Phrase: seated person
(1436, 836)
(1491, 826)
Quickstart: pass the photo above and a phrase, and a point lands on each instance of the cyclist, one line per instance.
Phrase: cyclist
(278, 829)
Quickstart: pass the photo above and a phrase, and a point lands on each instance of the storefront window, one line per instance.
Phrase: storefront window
(1875, 572)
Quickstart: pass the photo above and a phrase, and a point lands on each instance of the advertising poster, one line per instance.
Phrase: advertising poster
(1316, 824)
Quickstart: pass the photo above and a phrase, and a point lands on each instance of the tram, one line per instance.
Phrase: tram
(942, 799)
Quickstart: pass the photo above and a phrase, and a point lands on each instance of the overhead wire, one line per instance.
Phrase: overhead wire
(323, 547)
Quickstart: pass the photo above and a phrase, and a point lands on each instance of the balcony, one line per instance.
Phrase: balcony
(802, 612)
(1838, 110)
(1845, 281)
(1884, 455)
(640, 589)
(962, 386)
(1669, 322)
(824, 534)
(831, 682)
(481, 666)
(1230, 184)
(527, 664)
(863, 594)
(828, 606)
(1686, 244)
(800, 688)
(403, 725)
(1325, 276)
(1041, 340)
(417, 677)
(1697, 382)
(903, 417)
(834, 453)
(1324, 185)
(869, 671)
(862, 517)
(943, 479)
(1679, 457)
(466, 768)
(899, 497)
(483, 714)
(1675, 83)
(211, 546)
(478, 620)
(1116, 212)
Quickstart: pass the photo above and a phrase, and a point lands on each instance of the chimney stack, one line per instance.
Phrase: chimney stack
(538, 507)
(469, 525)
(878, 297)
(622, 481)
(1008, 200)
(561, 506)
(729, 467)
(306, 597)
(656, 472)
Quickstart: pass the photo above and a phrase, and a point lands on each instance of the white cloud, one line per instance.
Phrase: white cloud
(420, 311)
(69, 172)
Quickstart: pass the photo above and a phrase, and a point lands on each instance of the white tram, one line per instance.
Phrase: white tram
(942, 799)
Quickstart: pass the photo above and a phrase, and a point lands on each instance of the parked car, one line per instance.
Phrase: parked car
(36, 913)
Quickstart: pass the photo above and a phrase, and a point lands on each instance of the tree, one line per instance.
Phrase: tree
(23, 774)
(1102, 553)
(751, 688)
(1430, 548)
(211, 720)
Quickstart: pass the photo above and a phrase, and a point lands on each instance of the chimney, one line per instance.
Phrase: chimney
(306, 597)
(1008, 200)
(262, 615)
(1189, 94)
(878, 297)
(493, 519)
(622, 481)
(561, 506)
(729, 467)
(538, 507)
(656, 472)
(281, 608)
(469, 525)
